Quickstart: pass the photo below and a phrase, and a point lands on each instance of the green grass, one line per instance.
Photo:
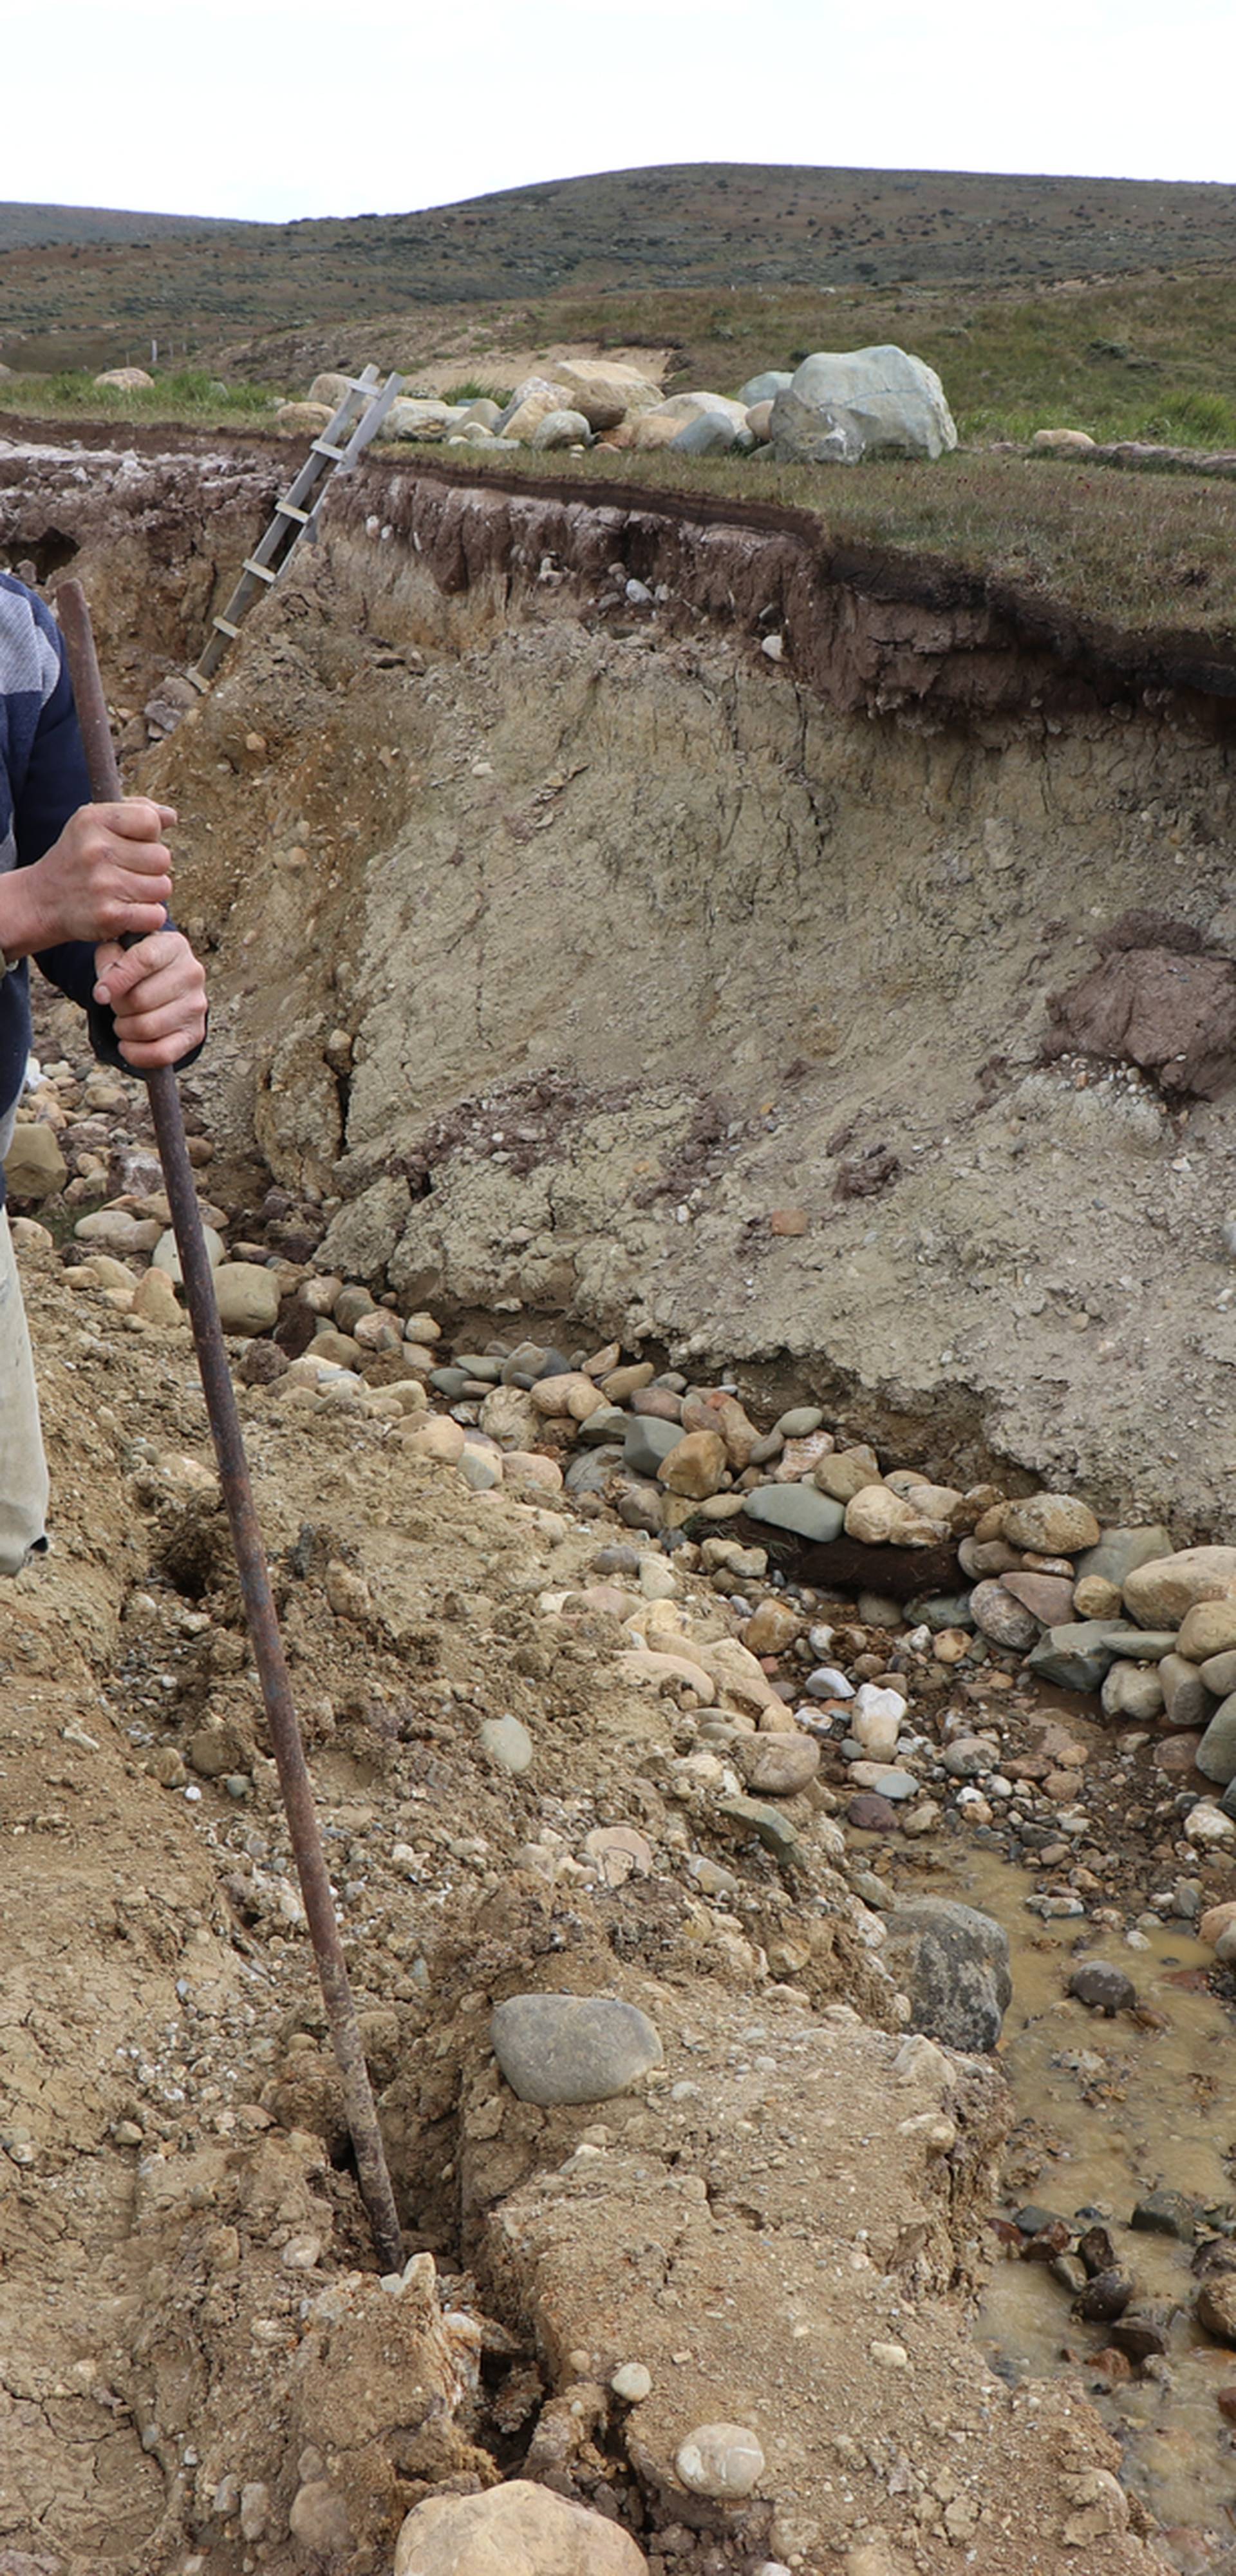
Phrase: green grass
(188, 394)
(1148, 359)
(1134, 553)
(1143, 358)
(471, 390)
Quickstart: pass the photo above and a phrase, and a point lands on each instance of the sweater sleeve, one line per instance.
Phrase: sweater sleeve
(56, 783)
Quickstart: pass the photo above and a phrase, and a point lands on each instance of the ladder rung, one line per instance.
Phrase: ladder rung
(225, 626)
(288, 510)
(261, 572)
(320, 448)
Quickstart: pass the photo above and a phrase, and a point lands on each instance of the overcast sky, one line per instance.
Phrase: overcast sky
(278, 108)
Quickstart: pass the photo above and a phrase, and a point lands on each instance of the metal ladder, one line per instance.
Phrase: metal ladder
(338, 447)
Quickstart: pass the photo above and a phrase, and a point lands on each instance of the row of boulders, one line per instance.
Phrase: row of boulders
(835, 408)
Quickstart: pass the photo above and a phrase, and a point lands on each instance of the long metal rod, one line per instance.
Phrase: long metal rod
(259, 1604)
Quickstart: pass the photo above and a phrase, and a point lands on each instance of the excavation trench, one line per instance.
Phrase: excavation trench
(582, 969)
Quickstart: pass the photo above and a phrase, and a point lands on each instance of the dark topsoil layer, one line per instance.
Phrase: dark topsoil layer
(1014, 644)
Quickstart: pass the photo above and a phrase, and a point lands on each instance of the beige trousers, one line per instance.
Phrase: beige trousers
(23, 1468)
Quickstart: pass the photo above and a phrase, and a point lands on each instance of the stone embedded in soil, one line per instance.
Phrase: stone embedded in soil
(1095, 1598)
(810, 1515)
(880, 1518)
(1101, 2507)
(1215, 2307)
(1105, 2297)
(572, 2048)
(846, 1474)
(800, 1421)
(876, 1720)
(1167, 2213)
(870, 1814)
(968, 1757)
(247, 1296)
(1177, 1754)
(1216, 1754)
(647, 1442)
(774, 1831)
(1140, 1645)
(1105, 1989)
(724, 2461)
(1186, 1700)
(1142, 2332)
(1097, 2252)
(1208, 1825)
(1002, 1618)
(777, 1766)
(34, 1166)
(1051, 1524)
(1209, 1629)
(1130, 1691)
(1048, 2242)
(1075, 1655)
(772, 1627)
(953, 1963)
(632, 2381)
(884, 1780)
(1120, 1550)
(1048, 1596)
(507, 1743)
(515, 2529)
(320, 2521)
(695, 1465)
(1161, 1594)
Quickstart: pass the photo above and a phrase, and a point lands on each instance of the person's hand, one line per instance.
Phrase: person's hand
(157, 993)
(109, 876)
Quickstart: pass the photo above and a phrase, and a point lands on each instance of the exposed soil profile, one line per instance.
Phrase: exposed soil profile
(584, 969)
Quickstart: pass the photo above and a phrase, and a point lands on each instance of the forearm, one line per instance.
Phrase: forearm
(24, 928)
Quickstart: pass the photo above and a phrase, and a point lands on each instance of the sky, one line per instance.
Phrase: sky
(278, 108)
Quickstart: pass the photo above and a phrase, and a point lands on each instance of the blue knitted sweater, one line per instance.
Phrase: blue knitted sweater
(43, 780)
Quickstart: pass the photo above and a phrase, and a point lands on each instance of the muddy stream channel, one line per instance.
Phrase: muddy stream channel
(1109, 2111)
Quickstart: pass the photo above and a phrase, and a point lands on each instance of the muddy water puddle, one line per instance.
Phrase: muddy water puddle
(1106, 2112)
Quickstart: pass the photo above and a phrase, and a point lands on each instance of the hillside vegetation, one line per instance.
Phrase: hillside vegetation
(70, 275)
(708, 275)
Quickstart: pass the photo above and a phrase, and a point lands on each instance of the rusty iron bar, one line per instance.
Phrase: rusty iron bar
(294, 1781)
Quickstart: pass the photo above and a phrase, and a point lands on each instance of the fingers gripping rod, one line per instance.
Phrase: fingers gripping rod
(294, 1781)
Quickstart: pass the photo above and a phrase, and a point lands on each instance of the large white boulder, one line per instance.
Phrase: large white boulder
(531, 403)
(766, 387)
(561, 429)
(693, 406)
(604, 390)
(419, 416)
(861, 402)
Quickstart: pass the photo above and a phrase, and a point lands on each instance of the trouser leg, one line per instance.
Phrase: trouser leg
(23, 1468)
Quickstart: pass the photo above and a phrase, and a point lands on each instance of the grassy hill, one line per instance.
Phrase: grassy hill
(28, 227)
(83, 286)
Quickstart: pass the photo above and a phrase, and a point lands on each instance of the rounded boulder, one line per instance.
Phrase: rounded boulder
(517, 2529)
(247, 1295)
